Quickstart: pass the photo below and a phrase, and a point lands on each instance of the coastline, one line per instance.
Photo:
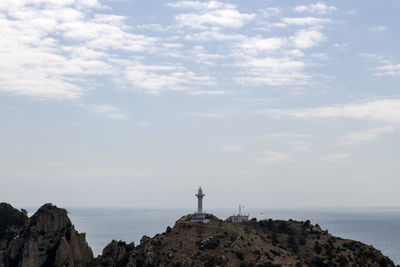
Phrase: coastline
(375, 226)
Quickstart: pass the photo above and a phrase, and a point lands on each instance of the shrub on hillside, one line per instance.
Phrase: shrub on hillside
(317, 247)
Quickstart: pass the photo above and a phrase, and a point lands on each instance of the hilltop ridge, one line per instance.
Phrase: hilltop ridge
(254, 243)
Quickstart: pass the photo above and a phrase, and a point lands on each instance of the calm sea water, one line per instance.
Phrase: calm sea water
(377, 227)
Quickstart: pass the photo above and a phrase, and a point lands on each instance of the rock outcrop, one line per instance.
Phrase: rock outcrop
(263, 243)
(117, 254)
(48, 238)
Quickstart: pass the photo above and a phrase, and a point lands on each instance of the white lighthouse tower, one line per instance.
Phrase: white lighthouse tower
(200, 215)
(200, 196)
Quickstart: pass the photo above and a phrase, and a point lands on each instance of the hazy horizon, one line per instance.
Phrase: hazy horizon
(33, 208)
(137, 103)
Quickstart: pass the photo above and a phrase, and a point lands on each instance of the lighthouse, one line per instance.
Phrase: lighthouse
(200, 215)
(200, 196)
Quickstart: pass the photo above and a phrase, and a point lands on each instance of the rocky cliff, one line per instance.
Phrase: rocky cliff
(46, 239)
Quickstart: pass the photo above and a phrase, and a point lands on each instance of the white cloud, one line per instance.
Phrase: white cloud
(213, 35)
(378, 29)
(279, 25)
(272, 71)
(108, 112)
(366, 136)
(103, 36)
(109, 18)
(273, 156)
(172, 45)
(229, 18)
(57, 49)
(62, 49)
(11, 4)
(387, 110)
(295, 53)
(152, 27)
(307, 38)
(385, 67)
(201, 5)
(306, 21)
(157, 78)
(318, 8)
(273, 61)
(200, 55)
(387, 70)
(258, 44)
(84, 53)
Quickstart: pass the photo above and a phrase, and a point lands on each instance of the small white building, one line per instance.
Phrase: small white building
(240, 217)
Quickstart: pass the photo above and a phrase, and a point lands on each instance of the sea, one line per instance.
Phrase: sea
(379, 227)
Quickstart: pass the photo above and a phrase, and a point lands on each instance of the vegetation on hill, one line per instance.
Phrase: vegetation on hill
(255, 243)
(11, 217)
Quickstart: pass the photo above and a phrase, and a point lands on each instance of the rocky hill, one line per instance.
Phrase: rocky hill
(46, 239)
(263, 243)
(49, 239)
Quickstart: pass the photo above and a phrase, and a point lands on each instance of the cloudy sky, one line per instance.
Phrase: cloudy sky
(137, 103)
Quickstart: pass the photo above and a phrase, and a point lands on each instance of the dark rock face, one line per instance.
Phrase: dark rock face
(11, 220)
(46, 239)
(117, 254)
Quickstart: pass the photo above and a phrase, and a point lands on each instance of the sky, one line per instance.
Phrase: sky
(134, 103)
